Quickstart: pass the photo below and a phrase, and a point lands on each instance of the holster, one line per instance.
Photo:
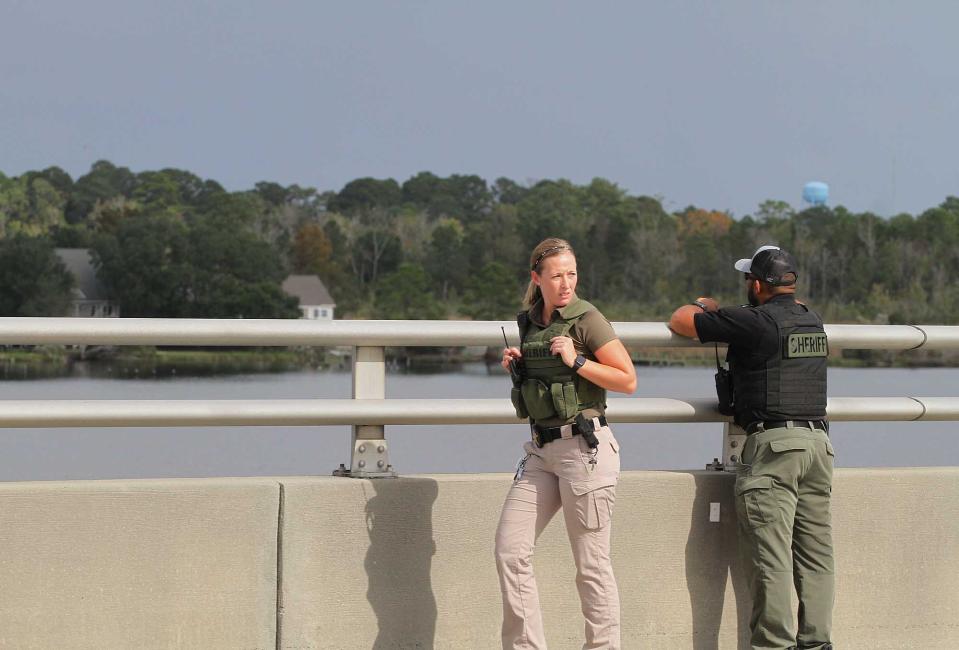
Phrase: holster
(724, 391)
(587, 429)
(724, 387)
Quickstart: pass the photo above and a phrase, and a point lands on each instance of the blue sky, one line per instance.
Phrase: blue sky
(721, 105)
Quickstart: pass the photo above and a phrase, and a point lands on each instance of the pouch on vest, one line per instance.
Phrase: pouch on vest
(516, 397)
(564, 399)
(537, 398)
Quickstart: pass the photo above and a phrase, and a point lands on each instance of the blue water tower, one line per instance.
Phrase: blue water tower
(815, 193)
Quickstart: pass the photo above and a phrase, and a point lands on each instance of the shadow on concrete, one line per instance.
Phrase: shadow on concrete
(399, 520)
(712, 558)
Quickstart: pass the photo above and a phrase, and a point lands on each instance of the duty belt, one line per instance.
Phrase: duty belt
(543, 435)
(760, 426)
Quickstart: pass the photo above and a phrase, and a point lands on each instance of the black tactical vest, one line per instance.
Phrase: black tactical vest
(790, 384)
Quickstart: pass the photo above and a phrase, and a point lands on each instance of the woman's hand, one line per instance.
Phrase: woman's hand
(508, 355)
(563, 346)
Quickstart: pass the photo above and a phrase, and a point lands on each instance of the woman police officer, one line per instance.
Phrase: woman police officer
(571, 357)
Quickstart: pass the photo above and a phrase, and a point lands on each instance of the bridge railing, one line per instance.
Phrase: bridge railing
(368, 411)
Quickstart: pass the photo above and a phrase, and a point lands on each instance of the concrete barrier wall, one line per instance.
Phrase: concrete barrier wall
(407, 563)
(138, 564)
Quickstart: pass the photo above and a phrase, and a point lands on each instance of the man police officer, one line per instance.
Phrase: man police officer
(777, 364)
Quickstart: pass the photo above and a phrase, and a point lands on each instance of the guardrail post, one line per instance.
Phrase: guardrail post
(734, 437)
(370, 457)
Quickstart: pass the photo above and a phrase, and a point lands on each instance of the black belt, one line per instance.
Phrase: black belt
(755, 427)
(542, 435)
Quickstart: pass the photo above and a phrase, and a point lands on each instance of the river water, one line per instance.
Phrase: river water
(81, 453)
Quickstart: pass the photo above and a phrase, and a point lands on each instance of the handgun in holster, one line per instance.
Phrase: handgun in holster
(587, 429)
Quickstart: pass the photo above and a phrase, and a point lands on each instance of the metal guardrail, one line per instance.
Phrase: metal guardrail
(313, 412)
(384, 333)
(369, 411)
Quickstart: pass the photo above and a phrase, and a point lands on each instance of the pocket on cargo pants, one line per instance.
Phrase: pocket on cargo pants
(594, 503)
(755, 500)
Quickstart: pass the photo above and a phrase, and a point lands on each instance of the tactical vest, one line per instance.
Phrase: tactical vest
(551, 390)
(791, 384)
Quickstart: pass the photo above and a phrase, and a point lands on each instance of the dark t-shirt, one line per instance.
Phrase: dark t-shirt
(741, 326)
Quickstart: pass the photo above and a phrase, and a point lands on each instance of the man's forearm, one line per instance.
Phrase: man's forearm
(682, 321)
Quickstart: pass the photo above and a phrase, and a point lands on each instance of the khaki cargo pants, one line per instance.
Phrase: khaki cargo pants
(785, 534)
(560, 474)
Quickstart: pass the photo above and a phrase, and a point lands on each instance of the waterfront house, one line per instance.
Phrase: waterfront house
(315, 301)
(89, 298)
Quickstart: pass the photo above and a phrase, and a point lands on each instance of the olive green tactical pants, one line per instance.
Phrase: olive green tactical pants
(785, 534)
(560, 475)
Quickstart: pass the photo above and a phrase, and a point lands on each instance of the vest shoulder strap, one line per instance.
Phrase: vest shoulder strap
(522, 321)
(577, 309)
(787, 316)
(582, 308)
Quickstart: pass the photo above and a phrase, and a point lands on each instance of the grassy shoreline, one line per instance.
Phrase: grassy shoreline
(54, 361)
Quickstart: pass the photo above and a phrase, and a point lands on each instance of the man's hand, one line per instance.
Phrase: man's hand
(711, 304)
(682, 321)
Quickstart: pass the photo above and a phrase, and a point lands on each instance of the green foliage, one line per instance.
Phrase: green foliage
(374, 246)
(493, 293)
(33, 280)
(551, 209)
(73, 236)
(445, 261)
(29, 205)
(405, 294)
(146, 266)
(234, 273)
(508, 192)
(103, 181)
(366, 194)
(158, 266)
(170, 243)
(462, 197)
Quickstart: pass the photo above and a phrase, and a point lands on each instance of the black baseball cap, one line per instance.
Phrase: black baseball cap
(770, 264)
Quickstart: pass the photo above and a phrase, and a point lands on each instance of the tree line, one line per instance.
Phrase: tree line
(169, 244)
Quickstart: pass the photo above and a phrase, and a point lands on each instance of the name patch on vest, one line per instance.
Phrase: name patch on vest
(806, 344)
(537, 350)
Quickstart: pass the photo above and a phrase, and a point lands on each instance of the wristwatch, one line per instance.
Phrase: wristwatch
(578, 363)
(700, 304)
